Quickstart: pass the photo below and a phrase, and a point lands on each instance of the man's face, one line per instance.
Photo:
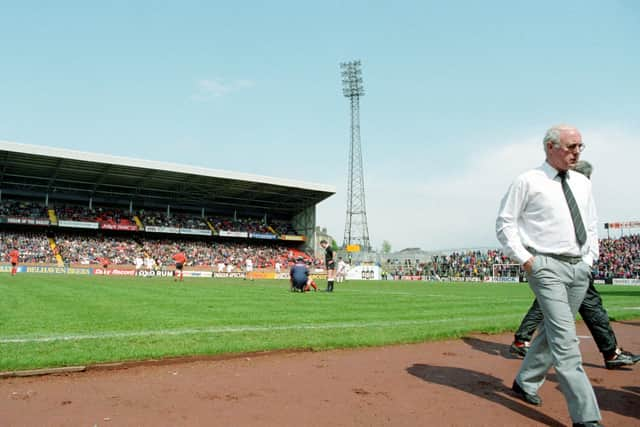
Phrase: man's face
(566, 155)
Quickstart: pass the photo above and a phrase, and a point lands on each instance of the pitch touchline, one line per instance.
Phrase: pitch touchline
(410, 294)
(234, 329)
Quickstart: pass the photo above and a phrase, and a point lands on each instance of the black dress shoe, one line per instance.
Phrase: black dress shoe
(533, 399)
(588, 424)
(621, 358)
(519, 348)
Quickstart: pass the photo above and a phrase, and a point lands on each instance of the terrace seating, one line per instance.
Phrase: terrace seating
(33, 247)
(23, 209)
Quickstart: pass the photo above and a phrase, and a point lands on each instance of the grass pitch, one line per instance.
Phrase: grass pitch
(59, 320)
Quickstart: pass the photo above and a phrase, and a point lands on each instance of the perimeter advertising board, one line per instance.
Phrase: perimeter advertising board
(364, 272)
(123, 227)
(27, 221)
(79, 224)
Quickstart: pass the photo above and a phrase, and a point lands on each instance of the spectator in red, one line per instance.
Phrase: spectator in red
(14, 255)
(180, 260)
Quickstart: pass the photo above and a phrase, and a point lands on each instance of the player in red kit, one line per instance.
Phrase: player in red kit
(104, 262)
(180, 260)
(14, 255)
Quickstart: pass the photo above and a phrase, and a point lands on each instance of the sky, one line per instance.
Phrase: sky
(458, 96)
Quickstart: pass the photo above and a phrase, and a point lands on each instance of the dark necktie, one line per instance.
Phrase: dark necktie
(578, 225)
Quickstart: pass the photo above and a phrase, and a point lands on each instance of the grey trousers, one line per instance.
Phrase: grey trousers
(560, 288)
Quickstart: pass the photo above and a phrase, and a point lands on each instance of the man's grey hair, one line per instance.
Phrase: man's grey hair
(584, 168)
(553, 135)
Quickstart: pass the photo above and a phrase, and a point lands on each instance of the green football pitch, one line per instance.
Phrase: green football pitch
(60, 320)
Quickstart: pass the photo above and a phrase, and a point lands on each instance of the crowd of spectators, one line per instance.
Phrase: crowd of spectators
(23, 209)
(250, 225)
(214, 254)
(283, 227)
(91, 249)
(86, 249)
(619, 258)
(110, 215)
(476, 264)
(218, 222)
(174, 220)
(113, 216)
(33, 247)
(99, 214)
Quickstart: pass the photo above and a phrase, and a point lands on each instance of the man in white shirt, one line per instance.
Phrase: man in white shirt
(547, 222)
(139, 262)
(149, 264)
(342, 270)
(248, 268)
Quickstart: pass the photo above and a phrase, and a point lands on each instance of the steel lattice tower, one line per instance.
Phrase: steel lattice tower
(356, 231)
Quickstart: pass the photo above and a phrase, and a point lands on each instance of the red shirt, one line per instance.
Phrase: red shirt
(13, 255)
(180, 258)
(104, 261)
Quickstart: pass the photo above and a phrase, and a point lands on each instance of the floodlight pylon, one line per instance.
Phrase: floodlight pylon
(356, 231)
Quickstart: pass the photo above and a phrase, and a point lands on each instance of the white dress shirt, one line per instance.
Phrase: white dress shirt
(534, 214)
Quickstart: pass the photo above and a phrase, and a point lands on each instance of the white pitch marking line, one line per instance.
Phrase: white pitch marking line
(237, 329)
(358, 291)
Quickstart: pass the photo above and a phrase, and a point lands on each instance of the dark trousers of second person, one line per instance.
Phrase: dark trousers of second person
(593, 314)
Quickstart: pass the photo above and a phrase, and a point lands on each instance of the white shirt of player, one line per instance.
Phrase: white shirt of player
(248, 264)
(139, 263)
(278, 266)
(220, 267)
(229, 268)
(342, 267)
(149, 263)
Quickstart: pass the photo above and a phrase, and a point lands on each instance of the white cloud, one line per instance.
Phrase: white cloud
(207, 88)
(458, 210)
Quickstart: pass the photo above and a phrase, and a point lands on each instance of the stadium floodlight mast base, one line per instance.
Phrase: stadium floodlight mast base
(356, 231)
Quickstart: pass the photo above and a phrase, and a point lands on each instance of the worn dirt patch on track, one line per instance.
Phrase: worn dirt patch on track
(462, 382)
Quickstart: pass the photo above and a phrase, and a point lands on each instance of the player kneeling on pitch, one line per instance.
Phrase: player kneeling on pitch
(299, 277)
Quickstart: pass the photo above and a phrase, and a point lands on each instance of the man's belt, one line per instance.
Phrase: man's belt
(564, 258)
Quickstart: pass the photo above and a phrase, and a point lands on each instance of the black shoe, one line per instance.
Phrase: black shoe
(588, 424)
(533, 399)
(634, 357)
(519, 348)
(623, 358)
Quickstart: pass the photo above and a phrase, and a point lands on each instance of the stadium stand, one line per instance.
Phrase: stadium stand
(87, 250)
(469, 264)
(23, 209)
(619, 258)
(122, 249)
(70, 191)
(249, 225)
(33, 246)
(176, 220)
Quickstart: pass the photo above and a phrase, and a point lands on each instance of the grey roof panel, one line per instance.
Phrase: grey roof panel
(47, 170)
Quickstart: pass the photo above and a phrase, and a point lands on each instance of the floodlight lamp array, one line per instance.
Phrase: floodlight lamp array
(352, 84)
